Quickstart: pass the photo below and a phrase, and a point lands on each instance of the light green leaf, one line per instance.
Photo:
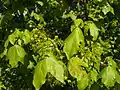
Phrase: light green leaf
(117, 76)
(72, 27)
(26, 37)
(78, 22)
(25, 12)
(19, 42)
(93, 75)
(15, 54)
(83, 83)
(69, 15)
(38, 17)
(108, 76)
(111, 62)
(40, 74)
(75, 69)
(112, 72)
(72, 42)
(107, 8)
(4, 53)
(6, 43)
(55, 68)
(40, 3)
(31, 65)
(2, 86)
(50, 65)
(93, 29)
(13, 37)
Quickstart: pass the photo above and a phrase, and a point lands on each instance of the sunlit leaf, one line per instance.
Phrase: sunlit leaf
(72, 42)
(108, 76)
(78, 22)
(55, 68)
(2, 86)
(50, 65)
(26, 37)
(117, 76)
(38, 17)
(16, 54)
(93, 29)
(93, 74)
(69, 15)
(31, 65)
(83, 83)
(107, 8)
(13, 37)
(40, 74)
(111, 62)
(40, 3)
(76, 70)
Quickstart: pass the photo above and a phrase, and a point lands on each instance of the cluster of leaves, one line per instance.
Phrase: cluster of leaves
(61, 44)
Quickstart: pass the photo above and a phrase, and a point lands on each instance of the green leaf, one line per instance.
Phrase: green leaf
(107, 8)
(38, 17)
(50, 65)
(15, 54)
(72, 42)
(108, 76)
(117, 76)
(31, 65)
(19, 42)
(93, 75)
(70, 14)
(26, 37)
(93, 29)
(12, 38)
(2, 86)
(40, 74)
(113, 65)
(6, 43)
(111, 62)
(78, 22)
(55, 68)
(83, 83)
(4, 53)
(40, 3)
(75, 68)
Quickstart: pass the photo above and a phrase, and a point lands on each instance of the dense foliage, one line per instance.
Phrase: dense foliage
(59, 44)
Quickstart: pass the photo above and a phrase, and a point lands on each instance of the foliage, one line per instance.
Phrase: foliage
(59, 44)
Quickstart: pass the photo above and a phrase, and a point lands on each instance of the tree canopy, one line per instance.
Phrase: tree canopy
(59, 44)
